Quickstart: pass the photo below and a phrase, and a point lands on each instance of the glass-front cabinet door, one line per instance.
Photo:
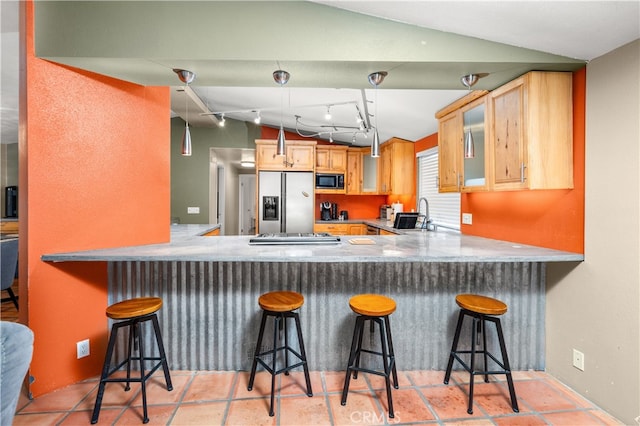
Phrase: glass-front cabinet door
(474, 151)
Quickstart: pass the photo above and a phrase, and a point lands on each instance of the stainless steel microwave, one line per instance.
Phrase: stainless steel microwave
(329, 181)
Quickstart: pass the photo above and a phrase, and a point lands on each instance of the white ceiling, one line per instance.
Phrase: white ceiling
(576, 29)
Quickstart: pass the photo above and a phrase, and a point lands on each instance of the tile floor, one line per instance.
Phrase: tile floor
(217, 398)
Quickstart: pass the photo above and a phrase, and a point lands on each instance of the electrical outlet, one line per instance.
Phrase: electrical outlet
(82, 348)
(578, 360)
(467, 218)
(193, 210)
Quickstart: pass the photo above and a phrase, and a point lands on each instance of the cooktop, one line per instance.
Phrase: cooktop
(295, 238)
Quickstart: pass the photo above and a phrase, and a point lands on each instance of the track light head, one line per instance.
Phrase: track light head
(185, 76)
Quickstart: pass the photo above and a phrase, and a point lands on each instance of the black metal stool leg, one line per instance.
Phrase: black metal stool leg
(286, 345)
(132, 338)
(359, 347)
(357, 331)
(454, 347)
(472, 363)
(257, 351)
(105, 373)
(507, 367)
(483, 331)
(273, 363)
(392, 355)
(163, 355)
(386, 365)
(143, 382)
(305, 366)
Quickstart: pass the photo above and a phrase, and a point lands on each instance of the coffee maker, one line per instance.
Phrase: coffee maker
(325, 210)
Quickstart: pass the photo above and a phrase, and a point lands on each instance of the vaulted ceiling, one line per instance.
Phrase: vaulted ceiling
(328, 47)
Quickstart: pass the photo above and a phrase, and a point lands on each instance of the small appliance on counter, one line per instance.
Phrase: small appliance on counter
(344, 215)
(334, 211)
(385, 212)
(405, 220)
(325, 210)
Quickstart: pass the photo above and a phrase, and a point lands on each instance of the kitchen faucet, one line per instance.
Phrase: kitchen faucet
(426, 222)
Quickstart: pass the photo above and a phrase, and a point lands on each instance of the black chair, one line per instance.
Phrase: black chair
(9, 259)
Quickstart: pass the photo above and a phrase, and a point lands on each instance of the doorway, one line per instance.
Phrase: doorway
(247, 208)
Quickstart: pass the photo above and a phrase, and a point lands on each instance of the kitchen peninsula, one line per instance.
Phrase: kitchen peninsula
(210, 287)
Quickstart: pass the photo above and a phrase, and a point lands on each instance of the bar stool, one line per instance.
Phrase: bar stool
(376, 309)
(131, 313)
(280, 305)
(481, 309)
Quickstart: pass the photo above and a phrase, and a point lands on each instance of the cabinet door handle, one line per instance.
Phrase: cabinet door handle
(459, 179)
(522, 166)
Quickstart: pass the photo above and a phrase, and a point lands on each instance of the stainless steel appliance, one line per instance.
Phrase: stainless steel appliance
(325, 210)
(372, 230)
(384, 211)
(294, 239)
(344, 214)
(329, 181)
(285, 202)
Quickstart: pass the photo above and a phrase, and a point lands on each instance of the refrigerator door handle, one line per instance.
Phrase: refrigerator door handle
(283, 202)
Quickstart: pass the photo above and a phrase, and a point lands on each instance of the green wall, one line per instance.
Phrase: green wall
(190, 175)
(8, 169)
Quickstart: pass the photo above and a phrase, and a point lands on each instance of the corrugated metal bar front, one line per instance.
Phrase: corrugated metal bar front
(210, 317)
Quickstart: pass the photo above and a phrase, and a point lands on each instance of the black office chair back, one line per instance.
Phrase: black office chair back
(8, 265)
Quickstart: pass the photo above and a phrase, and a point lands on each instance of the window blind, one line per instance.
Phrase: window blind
(444, 208)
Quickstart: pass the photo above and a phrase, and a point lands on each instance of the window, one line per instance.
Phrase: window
(444, 208)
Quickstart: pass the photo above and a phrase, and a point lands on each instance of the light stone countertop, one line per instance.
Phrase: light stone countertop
(188, 244)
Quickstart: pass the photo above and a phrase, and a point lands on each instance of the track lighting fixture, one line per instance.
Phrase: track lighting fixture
(376, 78)
(257, 119)
(186, 77)
(222, 121)
(327, 116)
(281, 77)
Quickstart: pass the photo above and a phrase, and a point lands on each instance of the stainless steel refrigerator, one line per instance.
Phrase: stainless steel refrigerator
(285, 202)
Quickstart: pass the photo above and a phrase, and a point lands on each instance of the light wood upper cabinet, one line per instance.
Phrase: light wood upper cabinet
(362, 172)
(300, 155)
(353, 176)
(397, 167)
(531, 132)
(331, 159)
(455, 172)
(449, 152)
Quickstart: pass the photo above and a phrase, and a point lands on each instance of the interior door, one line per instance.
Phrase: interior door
(247, 207)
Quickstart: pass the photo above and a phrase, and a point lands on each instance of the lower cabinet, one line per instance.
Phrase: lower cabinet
(341, 228)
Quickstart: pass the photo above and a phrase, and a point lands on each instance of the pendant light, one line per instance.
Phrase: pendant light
(375, 78)
(469, 146)
(186, 77)
(281, 77)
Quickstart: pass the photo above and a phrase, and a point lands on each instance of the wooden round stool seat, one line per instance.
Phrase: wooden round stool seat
(281, 301)
(372, 305)
(133, 308)
(481, 304)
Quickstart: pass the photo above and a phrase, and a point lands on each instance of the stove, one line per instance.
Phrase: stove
(295, 238)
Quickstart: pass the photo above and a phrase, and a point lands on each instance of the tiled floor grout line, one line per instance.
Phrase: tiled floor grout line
(557, 392)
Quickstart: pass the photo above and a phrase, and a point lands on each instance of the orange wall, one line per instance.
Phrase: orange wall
(94, 165)
(551, 218)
